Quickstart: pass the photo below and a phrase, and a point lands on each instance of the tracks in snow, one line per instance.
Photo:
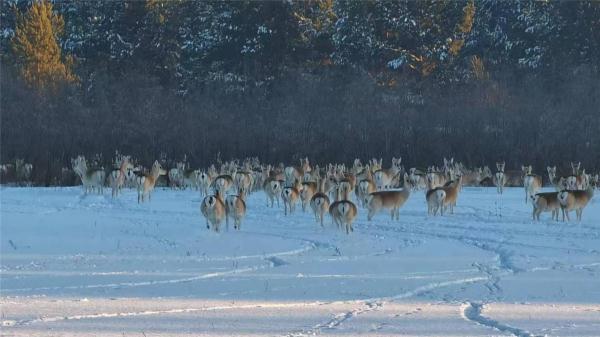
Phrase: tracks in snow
(272, 260)
(473, 312)
(371, 304)
(11, 323)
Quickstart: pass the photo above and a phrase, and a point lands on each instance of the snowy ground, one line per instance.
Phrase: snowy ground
(92, 266)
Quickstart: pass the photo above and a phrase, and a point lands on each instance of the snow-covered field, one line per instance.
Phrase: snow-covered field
(92, 266)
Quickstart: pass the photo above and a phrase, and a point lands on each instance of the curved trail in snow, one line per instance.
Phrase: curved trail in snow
(266, 257)
(473, 312)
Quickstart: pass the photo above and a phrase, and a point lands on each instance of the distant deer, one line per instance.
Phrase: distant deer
(244, 181)
(559, 182)
(320, 203)
(575, 200)
(343, 211)
(235, 207)
(579, 180)
(500, 177)
(308, 190)
(290, 195)
(418, 179)
(91, 178)
(213, 209)
(203, 182)
(223, 183)
(119, 176)
(273, 188)
(365, 188)
(435, 177)
(384, 178)
(452, 189)
(531, 182)
(147, 182)
(292, 172)
(391, 200)
(545, 202)
(435, 200)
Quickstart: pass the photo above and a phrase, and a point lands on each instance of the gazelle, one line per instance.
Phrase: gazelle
(486, 174)
(391, 200)
(575, 200)
(418, 179)
(244, 180)
(223, 183)
(273, 188)
(343, 211)
(312, 176)
(23, 171)
(435, 178)
(435, 200)
(472, 177)
(90, 178)
(575, 168)
(545, 202)
(384, 178)
(560, 183)
(452, 189)
(531, 182)
(189, 178)
(449, 166)
(175, 175)
(118, 176)
(292, 173)
(579, 179)
(375, 165)
(290, 196)
(365, 187)
(147, 182)
(320, 203)
(235, 207)
(203, 182)
(309, 189)
(499, 177)
(213, 209)
(130, 177)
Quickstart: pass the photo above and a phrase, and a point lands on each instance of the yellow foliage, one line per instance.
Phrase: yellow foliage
(456, 46)
(479, 68)
(467, 21)
(463, 28)
(36, 47)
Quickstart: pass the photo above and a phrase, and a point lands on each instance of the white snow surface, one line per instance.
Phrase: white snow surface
(74, 265)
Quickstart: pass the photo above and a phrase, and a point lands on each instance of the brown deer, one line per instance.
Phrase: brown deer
(575, 200)
(320, 203)
(147, 182)
(391, 200)
(343, 211)
(531, 182)
(235, 207)
(545, 202)
(213, 209)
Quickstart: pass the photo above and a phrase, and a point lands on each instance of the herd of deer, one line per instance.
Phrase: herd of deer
(19, 171)
(337, 189)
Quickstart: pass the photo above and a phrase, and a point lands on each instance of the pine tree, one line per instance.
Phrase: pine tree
(36, 46)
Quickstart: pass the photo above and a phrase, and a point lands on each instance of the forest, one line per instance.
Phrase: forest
(333, 80)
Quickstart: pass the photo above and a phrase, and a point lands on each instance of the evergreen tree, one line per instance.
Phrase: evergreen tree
(35, 44)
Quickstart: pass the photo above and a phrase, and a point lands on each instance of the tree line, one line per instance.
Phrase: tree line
(333, 80)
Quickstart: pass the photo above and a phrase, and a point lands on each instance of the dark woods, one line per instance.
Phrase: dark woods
(330, 80)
